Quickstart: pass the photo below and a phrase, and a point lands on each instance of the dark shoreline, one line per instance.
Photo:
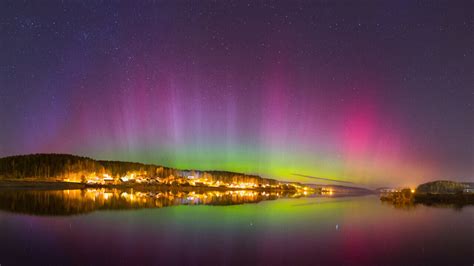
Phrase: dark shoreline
(58, 185)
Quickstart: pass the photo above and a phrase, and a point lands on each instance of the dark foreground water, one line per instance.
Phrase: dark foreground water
(106, 228)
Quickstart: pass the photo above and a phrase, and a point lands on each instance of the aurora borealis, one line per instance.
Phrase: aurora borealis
(379, 93)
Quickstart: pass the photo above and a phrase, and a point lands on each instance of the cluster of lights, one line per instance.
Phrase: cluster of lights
(327, 191)
(141, 178)
(396, 190)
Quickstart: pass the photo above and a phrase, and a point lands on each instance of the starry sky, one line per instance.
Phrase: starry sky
(375, 93)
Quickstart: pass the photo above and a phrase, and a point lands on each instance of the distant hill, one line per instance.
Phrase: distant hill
(382, 189)
(442, 187)
(343, 189)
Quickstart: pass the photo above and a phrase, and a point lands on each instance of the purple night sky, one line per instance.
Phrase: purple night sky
(377, 93)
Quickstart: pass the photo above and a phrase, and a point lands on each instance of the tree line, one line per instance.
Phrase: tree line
(45, 166)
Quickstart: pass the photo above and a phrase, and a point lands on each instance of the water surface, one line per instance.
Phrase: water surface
(283, 231)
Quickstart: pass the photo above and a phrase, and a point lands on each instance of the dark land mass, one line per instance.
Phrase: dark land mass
(341, 190)
(58, 185)
(43, 170)
(436, 193)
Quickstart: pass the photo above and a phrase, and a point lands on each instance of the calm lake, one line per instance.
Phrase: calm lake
(101, 227)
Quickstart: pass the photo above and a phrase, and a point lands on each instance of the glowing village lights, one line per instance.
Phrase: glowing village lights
(141, 177)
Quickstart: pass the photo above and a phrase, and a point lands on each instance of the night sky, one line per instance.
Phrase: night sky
(377, 93)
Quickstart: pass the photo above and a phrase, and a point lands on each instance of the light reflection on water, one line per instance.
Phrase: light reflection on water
(70, 202)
